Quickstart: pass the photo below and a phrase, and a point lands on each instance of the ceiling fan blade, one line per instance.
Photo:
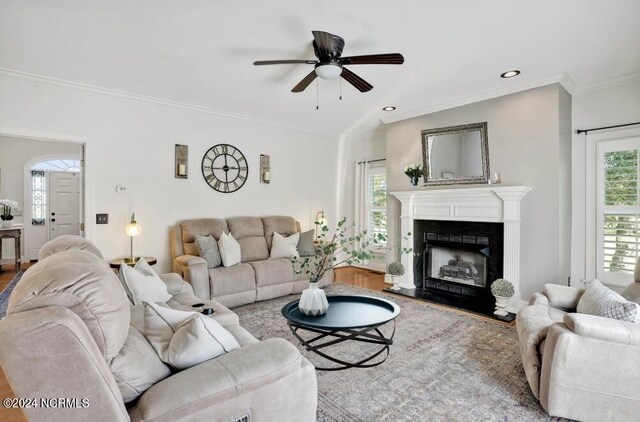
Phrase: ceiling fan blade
(388, 58)
(304, 83)
(355, 80)
(327, 46)
(265, 62)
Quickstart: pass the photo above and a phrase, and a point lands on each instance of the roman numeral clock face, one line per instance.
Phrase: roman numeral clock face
(224, 168)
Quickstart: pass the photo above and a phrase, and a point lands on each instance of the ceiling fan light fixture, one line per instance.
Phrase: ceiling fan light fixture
(388, 108)
(328, 71)
(510, 74)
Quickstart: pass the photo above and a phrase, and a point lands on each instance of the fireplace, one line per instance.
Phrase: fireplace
(457, 262)
(495, 208)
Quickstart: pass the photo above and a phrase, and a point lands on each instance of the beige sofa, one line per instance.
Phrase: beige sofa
(72, 333)
(580, 366)
(256, 278)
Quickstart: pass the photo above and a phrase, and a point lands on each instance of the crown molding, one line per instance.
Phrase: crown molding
(562, 78)
(50, 82)
(607, 83)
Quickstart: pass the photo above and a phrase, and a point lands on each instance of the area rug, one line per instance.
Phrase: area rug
(4, 296)
(443, 366)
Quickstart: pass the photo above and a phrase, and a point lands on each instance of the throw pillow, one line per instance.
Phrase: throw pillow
(137, 367)
(306, 247)
(284, 247)
(184, 339)
(602, 301)
(208, 249)
(229, 250)
(142, 283)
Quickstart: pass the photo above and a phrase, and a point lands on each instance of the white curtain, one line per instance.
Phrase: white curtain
(361, 214)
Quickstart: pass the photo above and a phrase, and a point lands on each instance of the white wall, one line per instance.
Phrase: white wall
(130, 142)
(527, 147)
(608, 106)
(14, 155)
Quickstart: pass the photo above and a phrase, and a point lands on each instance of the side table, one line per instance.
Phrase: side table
(117, 262)
(15, 233)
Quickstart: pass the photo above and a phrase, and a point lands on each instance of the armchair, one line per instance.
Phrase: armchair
(580, 366)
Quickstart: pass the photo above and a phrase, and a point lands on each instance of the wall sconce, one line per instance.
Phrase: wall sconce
(321, 220)
(132, 229)
(265, 169)
(182, 161)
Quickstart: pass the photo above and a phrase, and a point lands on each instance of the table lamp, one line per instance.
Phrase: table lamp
(132, 229)
(321, 220)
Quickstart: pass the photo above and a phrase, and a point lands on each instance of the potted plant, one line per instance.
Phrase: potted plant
(395, 270)
(333, 250)
(414, 172)
(502, 290)
(6, 207)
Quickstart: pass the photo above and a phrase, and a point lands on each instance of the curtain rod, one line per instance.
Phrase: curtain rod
(371, 161)
(579, 131)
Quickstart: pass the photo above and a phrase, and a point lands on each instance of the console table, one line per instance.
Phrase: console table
(15, 233)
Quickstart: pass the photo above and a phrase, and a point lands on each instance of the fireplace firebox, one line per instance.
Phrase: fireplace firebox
(456, 262)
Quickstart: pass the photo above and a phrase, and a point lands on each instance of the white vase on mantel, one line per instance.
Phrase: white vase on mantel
(6, 224)
(501, 305)
(313, 301)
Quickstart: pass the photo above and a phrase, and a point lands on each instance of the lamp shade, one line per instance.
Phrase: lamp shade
(321, 219)
(133, 228)
(328, 71)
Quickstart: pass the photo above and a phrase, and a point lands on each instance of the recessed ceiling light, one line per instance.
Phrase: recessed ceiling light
(388, 108)
(510, 74)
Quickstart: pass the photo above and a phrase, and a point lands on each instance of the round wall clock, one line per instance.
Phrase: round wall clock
(224, 168)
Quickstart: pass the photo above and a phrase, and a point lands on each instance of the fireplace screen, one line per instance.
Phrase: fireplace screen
(458, 265)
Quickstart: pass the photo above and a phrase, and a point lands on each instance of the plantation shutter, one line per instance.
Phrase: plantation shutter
(619, 210)
(377, 201)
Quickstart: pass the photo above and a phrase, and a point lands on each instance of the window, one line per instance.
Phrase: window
(618, 210)
(38, 200)
(377, 212)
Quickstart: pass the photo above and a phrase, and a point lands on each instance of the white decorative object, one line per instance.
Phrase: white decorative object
(284, 247)
(501, 306)
(313, 301)
(6, 224)
(489, 203)
(229, 250)
(142, 283)
(183, 339)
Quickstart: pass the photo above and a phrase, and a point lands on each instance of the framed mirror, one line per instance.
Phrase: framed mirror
(456, 154)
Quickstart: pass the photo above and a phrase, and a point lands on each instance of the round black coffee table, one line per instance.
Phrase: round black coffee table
(349, 318)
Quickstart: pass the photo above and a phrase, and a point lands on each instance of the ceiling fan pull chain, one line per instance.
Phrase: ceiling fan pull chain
(317, 90)
(340, 82)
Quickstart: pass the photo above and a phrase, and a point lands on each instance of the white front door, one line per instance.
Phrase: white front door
(64, 204)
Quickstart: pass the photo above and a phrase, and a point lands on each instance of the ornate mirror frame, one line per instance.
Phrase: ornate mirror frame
(484, 151)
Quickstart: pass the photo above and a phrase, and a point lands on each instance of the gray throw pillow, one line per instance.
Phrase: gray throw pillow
(602, 301)
(305, 244)
(208, 249)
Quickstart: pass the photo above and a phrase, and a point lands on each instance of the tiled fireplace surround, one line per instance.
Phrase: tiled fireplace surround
(489, 203)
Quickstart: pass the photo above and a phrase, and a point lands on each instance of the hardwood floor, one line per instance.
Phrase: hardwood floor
(360, 277)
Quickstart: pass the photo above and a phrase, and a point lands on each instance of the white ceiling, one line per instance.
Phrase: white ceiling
(200, 52)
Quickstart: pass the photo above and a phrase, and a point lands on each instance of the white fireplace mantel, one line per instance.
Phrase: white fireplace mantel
(488, 203)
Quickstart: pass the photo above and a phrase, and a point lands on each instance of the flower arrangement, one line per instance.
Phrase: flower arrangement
(395, 269)
(354, 249)
(413, 171)
(502, 288)
(6, 206)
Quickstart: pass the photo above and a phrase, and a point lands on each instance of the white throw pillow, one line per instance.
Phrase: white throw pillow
(285, 247)
(143, 284)
(229, 250)
(601, 301)
(183, 339)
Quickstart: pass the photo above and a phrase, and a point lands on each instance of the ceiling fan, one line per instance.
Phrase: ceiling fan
(330, 63)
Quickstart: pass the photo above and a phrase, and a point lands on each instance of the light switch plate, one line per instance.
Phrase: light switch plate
(102, 218)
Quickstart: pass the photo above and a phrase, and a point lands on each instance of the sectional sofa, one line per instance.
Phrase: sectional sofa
(72, 333)
(256, 278)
